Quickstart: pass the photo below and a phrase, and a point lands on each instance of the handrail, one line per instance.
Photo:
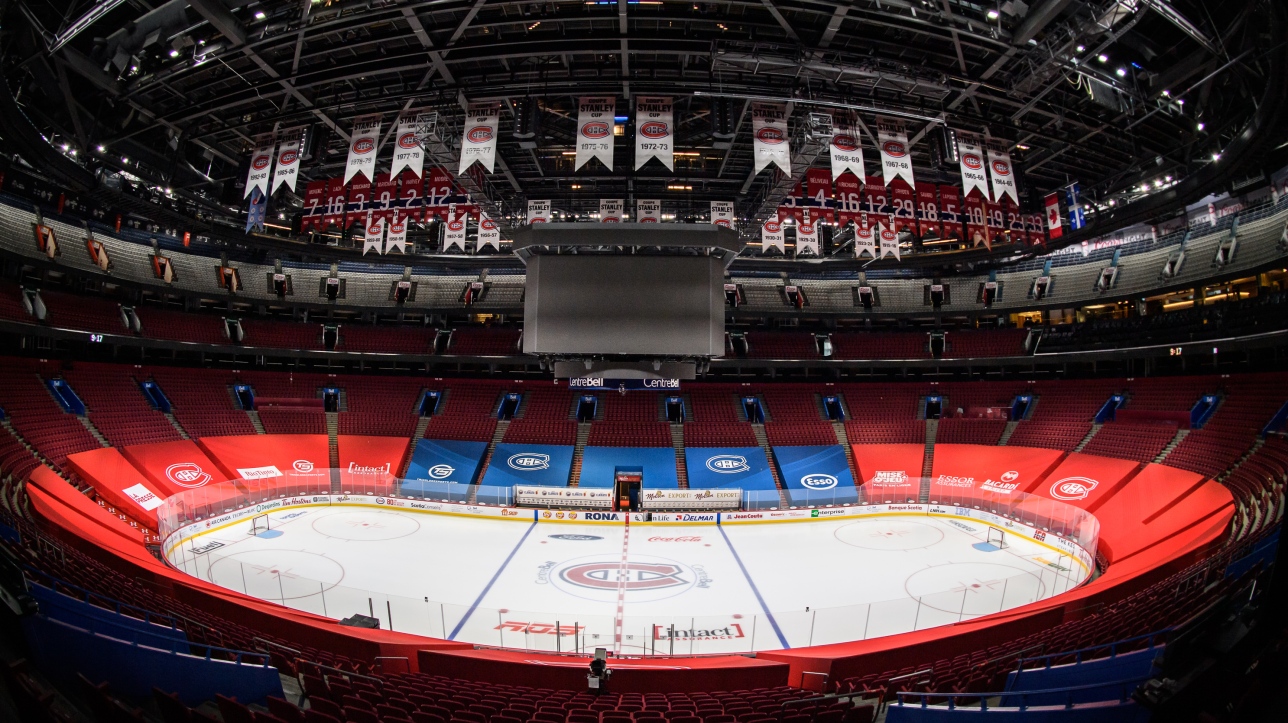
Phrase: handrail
(170, 645)
(345, 673)
(148, 615)
(1022, 695)
(1113, 648)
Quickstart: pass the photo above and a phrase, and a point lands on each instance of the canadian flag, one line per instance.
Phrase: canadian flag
(1054, 224)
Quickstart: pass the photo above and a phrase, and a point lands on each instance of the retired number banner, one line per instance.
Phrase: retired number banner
(654, 130)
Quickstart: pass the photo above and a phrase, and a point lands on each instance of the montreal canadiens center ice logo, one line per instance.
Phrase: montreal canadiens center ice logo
(1073, 488)
(302, 465)
(644, 578)
(818, 481)
(441, 471)
(728, 464)
(529, 461)
(187, 474)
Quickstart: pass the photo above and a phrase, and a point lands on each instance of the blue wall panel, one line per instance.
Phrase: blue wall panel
(540, 465)
(446, 460)
(816, 475)
(600, 464)
(740, 467)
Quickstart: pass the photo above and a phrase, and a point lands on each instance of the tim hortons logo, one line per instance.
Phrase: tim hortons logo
(1001, 168)
(363, 146)
(894, 149)
(408, 141)
(845, 142)
(972, 161)
(260, 163)
(632, 576)
(771, 136)
(288, 158)
(595, 130)
(187, 474)
(655, 129)
(479, 134)
(1073, 488)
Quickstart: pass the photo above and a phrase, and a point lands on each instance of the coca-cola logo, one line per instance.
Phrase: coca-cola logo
(972, 161)
(479, 134)
(595, 130)
(288, 158)
(655, 129)
(771, 136)
(1001, 168)
(773, 226)
(363, 146)
(457, 225)
(259, 163)
(408, 141)
(894, 149)
(845, 142)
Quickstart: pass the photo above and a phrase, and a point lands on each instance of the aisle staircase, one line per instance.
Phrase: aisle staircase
(583, 434)
(763, 441)
(421, 424)
(183, 433)
(1087, 439)
(497, 436)
(1176, 440)
(255, 421)
(843, 439)
(93, 431)
(928, 461)
(681, 464)
(332, 438)
(1006, 433)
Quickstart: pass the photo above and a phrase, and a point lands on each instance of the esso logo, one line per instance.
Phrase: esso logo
(441, 471)
(724, 222)
(728, 464)
(528, 461)
(807, 229)
(595, 130)
(288, 158)
(773, 226)
(187, 474)
(894, 149)
(1073, 488)
(1001, 168)
(302, 465)
(972, 161)
(479, 134)
(408, 141)
(1010, 476)
(260, 163)
(845, 142)
(818, 481)
(363, 146)
(456, 225)
(771, 136)
(655, 129)
(488, 225)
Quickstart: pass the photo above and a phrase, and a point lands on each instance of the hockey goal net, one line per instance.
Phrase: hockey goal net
(997, 538)
(258, 524)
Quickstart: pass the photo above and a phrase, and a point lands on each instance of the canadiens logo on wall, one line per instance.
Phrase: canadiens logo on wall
(1073, 488)
(187, 474)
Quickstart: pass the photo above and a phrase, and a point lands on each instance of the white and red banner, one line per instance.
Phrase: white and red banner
(648, 211)
(807, 234)
(362, 148)
(595, 130)
(722, 214)
(928, 211)
(384, 195)
(889, 242)
(611, 210)
(1003, 175)
(489, 234)
(950, 211)
(396, 235)
(407, 149)
(772, 236)
(1055, 226)
(848, 199)
(971, 158)
(454, 230)
(865, 240)
(654, 130)
(261, 166)
(769, 136)
(314, 203)
(903, 207)
(478, 144)
(373, 234)
(359, 197)
(336, 197)
(847, 151)
(288, 162)
(896, 160)
(975, 209)
(538, 212)
(410, 196)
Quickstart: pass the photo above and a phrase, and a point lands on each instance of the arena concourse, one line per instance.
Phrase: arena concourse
(750, 361)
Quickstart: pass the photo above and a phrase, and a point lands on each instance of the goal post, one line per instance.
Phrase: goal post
(258, 524)
(996, 538)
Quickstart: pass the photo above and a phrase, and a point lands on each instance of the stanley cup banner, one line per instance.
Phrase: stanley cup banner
(396, 237)
(489, 234)
(974, 177)
(538, 212)
(865, 241)
(769, 136)
(610, 210)
(889, 242)
(648, 211)
(722, 214)
(892, 141)
(374, 234)
(407, 150)
(654, 130)
(807, 234)
(362, 148)
(595, 130)
(999, 168)
(454, 235)
(771, 236)
(288, 161)
(261, 166)
(479, 140)
(847, 155)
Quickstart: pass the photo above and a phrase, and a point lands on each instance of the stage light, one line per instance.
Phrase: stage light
(174, 53)
(1122, 72)
(993, 14)
(1102, 58)
(1201, 126)
(260, 15)
(1082, 48)
(101, 149)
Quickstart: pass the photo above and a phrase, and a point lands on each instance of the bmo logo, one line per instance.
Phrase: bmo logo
(441, 471)
(728, 464)
(972, 161)
(818, 481)
(302, 465)
(187, 474)
(1073, 488)
(528, 461)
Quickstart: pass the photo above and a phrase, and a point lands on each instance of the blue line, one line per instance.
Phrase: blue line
(490, 583)
(754, 590)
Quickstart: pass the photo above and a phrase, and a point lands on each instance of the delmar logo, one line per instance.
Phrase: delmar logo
(441, 471)
(1073, 488)
(728, 464)
(187, 474)
(818, 481)
(529, 461)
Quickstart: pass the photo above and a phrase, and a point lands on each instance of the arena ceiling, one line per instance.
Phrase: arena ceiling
(1113, 94)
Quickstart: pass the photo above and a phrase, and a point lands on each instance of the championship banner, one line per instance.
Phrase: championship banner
(889, 242)
(950, 211)
(489, 234)
(288, 162)
(362, 148)
(1054, 226)
(818, 193)
(772, 237)
(848, 203)
(396, 237)
(892, 141)
(538, 212)
(479, 142)
(410, 196)
(610, 210)
(928, 211)
(807, 235)
(905, 209)
(769, 136)
(595, 130)
(336, 197)
(648, 211)
(261, 166)
(454, 231)
(722, 214)
(654, 130)
(847, 153)
(408, 153)
(865, 241)
(384, 194)
(999, 166)
(359, 199)
(974, 177)
(373, 234)
(976, 215)
(314, 204)
(258, 210)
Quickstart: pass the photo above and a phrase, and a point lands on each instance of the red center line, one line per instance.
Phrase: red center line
(622, 573)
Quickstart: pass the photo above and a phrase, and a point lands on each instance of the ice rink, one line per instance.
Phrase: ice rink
(637, 588)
